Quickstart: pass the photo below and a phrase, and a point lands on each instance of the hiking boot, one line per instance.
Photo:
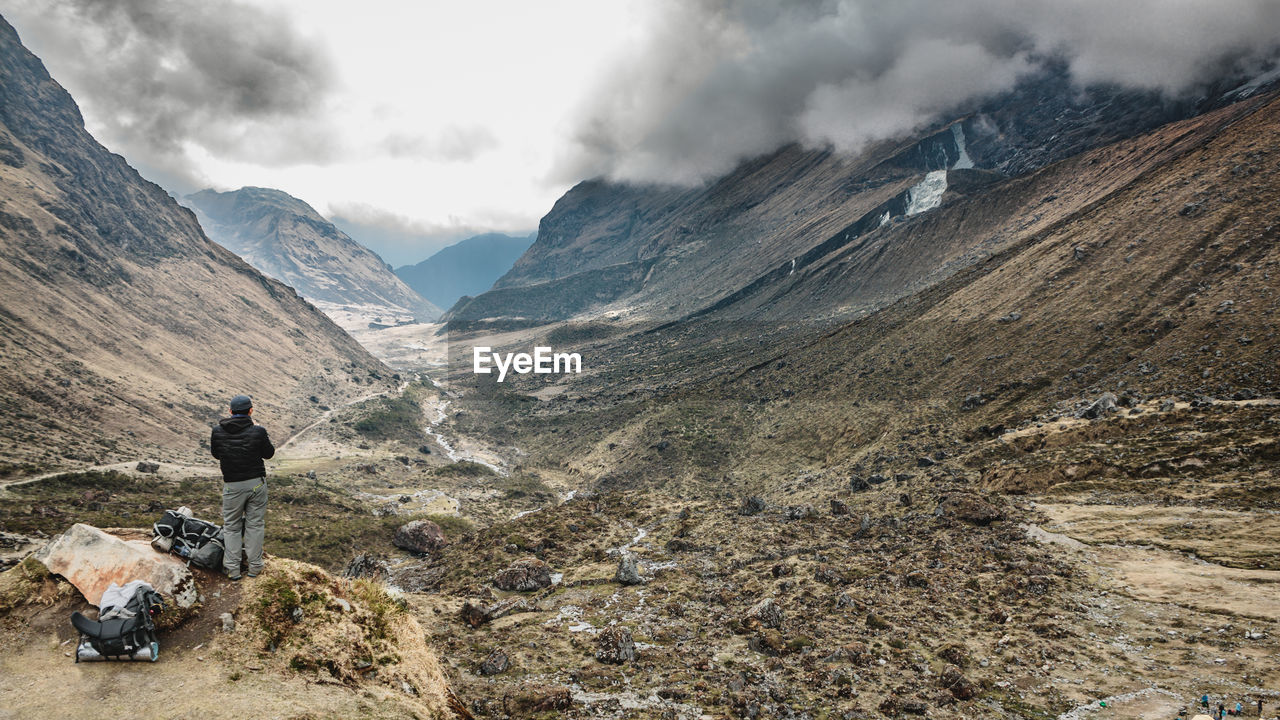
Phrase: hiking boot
(235, 578)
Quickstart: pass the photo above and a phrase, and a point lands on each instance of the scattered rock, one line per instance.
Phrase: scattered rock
(228, 622)
(753, 505)
(765, 613)
(524, 575)
(971, 509)
(801, 512)
(368, 566)
(296, 615)
(497, 662)
(342, 604)
(615, 645)
(147, 467)
(1101, 407)
(91, 560)
(839, 508)
(311, 474)
(419, 536)
(954, 680)
(628, 572)
(425, 450)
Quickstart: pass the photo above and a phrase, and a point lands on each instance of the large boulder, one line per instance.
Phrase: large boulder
(524, 575)
(91, 560)
(628, 572)
(419, 536)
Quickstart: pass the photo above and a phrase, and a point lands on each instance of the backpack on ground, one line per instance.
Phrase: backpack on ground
(198, 541)
(125, 627)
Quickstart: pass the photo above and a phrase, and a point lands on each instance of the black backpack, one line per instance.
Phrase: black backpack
(131, 634)
(198, 541)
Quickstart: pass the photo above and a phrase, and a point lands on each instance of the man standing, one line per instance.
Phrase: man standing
(240, 447)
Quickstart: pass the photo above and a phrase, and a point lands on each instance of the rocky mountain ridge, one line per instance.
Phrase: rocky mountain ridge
(123, 327)
(287, 239)
(654, 254)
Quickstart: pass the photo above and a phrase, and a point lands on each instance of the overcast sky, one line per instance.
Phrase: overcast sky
(414, 124)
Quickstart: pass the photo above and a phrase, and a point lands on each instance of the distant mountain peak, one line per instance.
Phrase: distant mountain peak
(286, 238)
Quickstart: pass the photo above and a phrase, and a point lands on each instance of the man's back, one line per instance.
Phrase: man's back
(240, 447)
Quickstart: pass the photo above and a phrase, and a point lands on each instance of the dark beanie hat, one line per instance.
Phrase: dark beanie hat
(241, 404)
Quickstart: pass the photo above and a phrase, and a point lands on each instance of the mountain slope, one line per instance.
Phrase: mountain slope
(122, 327)
(468, 267)
(670, 252)
(287, 239)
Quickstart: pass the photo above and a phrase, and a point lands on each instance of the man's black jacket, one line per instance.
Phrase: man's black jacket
(240, 447)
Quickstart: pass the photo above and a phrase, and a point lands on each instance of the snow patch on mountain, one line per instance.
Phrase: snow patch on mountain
(927, 194)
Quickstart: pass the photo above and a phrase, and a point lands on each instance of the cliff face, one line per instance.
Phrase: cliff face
(778, 217)
(287, 239)
(122, 326)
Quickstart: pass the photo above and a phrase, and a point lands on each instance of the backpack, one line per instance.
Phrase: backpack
(187, 537)
(121, 631)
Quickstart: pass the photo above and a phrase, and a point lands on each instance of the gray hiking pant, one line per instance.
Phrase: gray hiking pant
(244, 512)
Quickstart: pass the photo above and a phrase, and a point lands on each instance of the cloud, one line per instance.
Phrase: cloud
(716, 81)
(166, 78)
(452, 144)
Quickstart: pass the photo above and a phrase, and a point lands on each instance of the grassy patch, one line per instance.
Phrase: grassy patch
(29, 582)
(398, 418)
(308, 520)
(523, 486)
(462, 469)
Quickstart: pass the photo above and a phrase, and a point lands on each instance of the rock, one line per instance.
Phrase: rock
(801, 512)
(1101, 407)
(496, 662)
(614, 645)
(342, 604)
(828, 575)
(1011, 317)
(858, 484)
(971, 509)
(425, 450)
(765, 613)
(753, 505)
(228, 622)
(91, 560)
(296, 615)
(973, 401)
(864, 527)
(628, 572)
(147, 467)
(839, 508)
(404, 499)
(954, 680)
(419, 536)
(925, 461)
(368, 566)
(524, 575)
(311, 474)
(905, 499)
(878, 479)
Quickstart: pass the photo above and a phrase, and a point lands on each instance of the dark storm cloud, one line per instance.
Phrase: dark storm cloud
(718, 81)
(163, 75)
